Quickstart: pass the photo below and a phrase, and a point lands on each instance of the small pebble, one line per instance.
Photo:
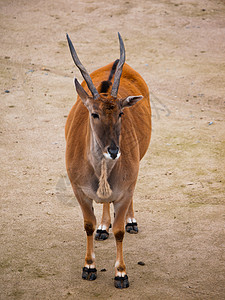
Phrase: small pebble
(141, 263)
(103, 270)
(168, 173)
(7, 91)
(45, 69)
(30, 71)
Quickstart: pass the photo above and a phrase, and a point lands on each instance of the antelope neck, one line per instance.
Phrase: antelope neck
(95, 155)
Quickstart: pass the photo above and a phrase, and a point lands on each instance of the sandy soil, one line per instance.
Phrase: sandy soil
(178, 47)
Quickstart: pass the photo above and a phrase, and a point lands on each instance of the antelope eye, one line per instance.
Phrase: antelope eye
(95, 116)
(120, 114)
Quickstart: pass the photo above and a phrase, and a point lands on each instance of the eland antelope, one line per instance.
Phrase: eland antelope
(107, 133)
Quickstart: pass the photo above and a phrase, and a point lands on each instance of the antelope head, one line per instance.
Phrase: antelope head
(105, 110)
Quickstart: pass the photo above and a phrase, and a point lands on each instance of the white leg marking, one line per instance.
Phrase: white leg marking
(92, 266)
(89, 266)
(121, 274)
(117, 264)
(103, 227)
(134, 220)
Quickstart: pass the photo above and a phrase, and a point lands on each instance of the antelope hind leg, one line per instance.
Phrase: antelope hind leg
(103, 229)
(131, 223)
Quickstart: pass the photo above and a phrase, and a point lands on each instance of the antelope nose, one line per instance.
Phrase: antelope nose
(113, 151)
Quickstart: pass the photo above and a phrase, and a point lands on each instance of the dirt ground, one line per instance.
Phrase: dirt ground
(179, 49)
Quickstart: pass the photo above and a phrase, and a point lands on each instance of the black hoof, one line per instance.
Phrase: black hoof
(101, 235)
(121, 282)
(132, 228)
(89, 274)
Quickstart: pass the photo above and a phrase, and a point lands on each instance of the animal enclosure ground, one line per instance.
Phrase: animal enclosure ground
(178, 47)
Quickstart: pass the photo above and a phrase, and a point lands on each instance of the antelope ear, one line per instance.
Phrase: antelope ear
(130, 101)
(81, 92)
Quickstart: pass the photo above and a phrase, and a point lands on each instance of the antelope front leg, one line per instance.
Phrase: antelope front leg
(121, 278)
(103, 229)
(89, 270)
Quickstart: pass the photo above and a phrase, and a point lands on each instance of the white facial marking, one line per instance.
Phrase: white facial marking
(108, 156)
(118, 155)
